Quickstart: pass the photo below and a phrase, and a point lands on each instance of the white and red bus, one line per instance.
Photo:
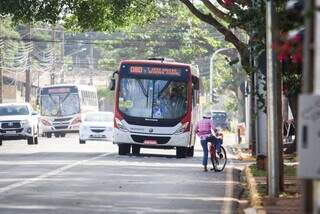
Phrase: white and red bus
(62, 107)
(156, 106)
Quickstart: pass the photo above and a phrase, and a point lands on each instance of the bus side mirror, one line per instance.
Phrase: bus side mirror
(112, 84)
(196, 83)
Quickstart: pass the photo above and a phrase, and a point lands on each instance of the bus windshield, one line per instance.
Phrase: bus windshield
(150, 98)
(64, 104)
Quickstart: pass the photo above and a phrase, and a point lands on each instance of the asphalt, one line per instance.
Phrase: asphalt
(61, 176)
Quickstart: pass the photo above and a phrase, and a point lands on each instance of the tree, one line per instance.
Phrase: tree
(241, 22)
(95, 15)
(175, 35)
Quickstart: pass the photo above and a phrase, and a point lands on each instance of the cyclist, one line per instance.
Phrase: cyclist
(204, 129)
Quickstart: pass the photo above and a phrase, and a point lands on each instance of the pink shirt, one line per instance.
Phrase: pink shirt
(204, 127)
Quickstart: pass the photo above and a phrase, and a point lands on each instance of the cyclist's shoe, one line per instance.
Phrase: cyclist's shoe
(220, 155)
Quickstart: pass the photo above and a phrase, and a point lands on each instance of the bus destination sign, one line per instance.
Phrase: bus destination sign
(155, 70)
(59, 90)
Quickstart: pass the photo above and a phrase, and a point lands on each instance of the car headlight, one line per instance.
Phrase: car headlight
(25, 122)
(84, 128)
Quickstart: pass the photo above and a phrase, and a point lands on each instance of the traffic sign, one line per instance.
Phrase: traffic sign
(309, 136)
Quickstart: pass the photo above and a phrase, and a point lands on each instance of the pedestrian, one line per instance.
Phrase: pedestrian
(204, 129)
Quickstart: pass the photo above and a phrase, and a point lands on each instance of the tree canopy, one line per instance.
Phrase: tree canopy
(96, 15)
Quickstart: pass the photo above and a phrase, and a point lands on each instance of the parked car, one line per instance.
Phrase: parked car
(220, 119)
(96, 126)
(18, 121)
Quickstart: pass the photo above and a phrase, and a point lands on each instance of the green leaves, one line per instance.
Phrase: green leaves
(94, 15)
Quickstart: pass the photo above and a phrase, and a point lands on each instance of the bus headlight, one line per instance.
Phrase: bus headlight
(76, 120)
(45, 122)
(120, 125)
(182, 128)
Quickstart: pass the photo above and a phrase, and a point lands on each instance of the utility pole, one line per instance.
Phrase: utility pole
(253, 105)
(91, 67)
(62, 56)
(1, 72)
(28, 84)
(272, 105)
(52, 72)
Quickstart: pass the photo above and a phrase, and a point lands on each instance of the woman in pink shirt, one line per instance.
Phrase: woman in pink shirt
(204, 129)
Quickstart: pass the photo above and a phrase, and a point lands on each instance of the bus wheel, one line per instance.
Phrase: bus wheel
(49, 135)
(62, 134)
(57, 134)
(190, 151)
(82, 141)
(124, 149)
(181, 152)
(135, 149)
(0, 142)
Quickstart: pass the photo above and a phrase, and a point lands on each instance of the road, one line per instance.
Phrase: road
(61, 176)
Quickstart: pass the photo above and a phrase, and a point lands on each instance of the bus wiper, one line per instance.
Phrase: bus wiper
(144, 91)
(164, 88)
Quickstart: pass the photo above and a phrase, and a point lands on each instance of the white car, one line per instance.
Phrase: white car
(96, 126)
(18, 121)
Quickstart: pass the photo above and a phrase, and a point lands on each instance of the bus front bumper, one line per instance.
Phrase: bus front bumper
(153, 140)
(52, 129)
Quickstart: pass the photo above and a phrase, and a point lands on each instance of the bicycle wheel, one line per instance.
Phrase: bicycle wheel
(219, 161)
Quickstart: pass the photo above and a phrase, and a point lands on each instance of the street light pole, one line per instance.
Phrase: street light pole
(211, 65)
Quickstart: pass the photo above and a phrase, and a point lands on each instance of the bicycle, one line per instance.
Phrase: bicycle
(218, 160)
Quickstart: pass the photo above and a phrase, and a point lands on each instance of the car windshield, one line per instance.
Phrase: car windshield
(60, 104)
(148, 98)
(219, 116)
(14, 110)
(99, 116)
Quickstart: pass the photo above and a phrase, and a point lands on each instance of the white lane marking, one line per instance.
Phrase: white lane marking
(48, 174)
(227, 204)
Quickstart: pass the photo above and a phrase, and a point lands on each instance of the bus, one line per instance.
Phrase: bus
(156, 106)
(62, 107)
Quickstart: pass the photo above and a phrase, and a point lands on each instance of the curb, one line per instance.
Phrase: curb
(254, 197)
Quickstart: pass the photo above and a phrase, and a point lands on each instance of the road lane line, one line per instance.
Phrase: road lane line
(48, 174)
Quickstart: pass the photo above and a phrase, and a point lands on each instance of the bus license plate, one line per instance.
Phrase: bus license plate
(150, 142)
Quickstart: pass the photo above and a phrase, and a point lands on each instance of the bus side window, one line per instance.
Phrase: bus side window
(82, 97)
(91, 98)
(194, 97)
(195, 91)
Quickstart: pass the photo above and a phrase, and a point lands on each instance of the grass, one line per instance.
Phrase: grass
(262, 189)
(288, 171)
(256, 172)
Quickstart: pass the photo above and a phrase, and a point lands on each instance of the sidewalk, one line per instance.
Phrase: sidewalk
(256, 184)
